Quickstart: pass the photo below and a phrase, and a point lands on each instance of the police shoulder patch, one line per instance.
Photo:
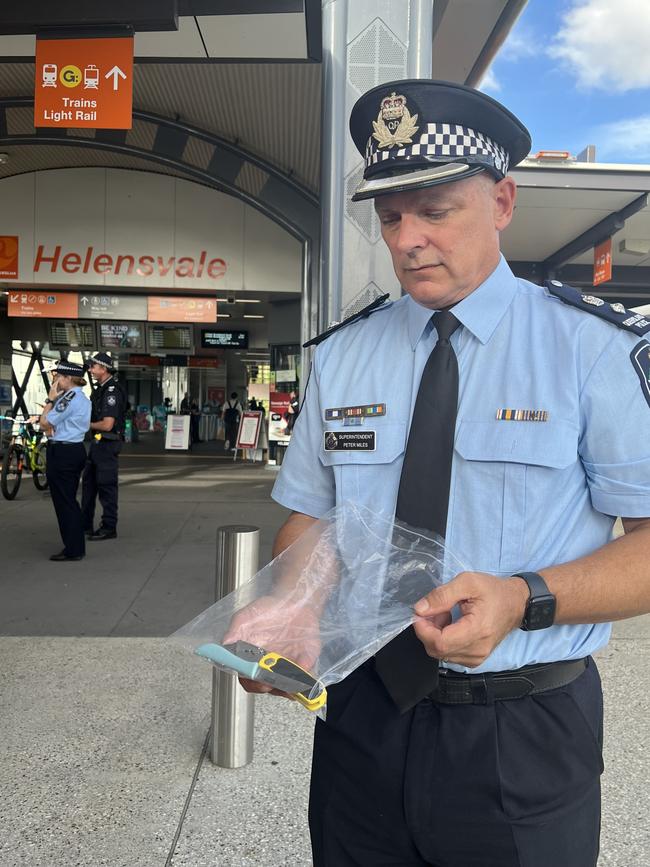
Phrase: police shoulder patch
(61, 404)
(640, 357)
(612, 312)
(111, 400)
(377, 304)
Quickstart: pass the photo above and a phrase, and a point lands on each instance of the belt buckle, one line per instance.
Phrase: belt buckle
(480, 687)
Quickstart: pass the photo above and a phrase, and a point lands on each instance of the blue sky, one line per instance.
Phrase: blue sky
(577, 72)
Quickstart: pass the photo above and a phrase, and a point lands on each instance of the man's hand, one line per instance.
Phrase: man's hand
(280, 624)
(490, 608)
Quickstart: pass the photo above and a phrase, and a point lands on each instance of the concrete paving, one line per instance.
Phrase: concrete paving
(103, 752)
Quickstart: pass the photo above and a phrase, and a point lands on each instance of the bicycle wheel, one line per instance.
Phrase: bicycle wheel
(39, 458)
(12, 471)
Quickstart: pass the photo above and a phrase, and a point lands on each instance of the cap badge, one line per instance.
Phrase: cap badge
(394, 124)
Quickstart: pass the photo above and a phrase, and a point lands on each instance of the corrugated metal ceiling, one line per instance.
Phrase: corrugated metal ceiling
(271, 110)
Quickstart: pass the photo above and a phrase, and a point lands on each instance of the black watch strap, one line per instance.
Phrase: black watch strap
(540, 608)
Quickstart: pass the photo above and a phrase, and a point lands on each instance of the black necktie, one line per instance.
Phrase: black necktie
(406, 670)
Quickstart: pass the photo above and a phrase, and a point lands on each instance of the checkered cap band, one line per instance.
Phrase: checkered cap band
(447, 142)
(68, 368)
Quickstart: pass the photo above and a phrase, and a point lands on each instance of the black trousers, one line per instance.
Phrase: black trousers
(100, 478)
(510, 784)
(64, 465)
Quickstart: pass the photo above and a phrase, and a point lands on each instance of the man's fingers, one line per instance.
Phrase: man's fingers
(443, 598)
(444, 642)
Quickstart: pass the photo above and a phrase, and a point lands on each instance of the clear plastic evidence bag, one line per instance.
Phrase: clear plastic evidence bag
(326, 604)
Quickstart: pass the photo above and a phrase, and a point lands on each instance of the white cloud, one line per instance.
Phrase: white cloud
(624, 140)
(490, 81)
(520, 42)
(606, 43)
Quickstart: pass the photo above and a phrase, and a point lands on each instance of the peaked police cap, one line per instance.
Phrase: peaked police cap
(419, 133)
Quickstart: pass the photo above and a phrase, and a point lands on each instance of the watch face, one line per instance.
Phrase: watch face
(540, 613)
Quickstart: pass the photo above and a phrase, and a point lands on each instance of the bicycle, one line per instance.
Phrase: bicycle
(26, 449)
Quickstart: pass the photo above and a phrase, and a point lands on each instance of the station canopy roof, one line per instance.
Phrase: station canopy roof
(248, 72)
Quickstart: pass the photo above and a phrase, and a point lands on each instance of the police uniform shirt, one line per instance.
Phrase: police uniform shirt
(70, 416)
(524, 494)
(108, 402)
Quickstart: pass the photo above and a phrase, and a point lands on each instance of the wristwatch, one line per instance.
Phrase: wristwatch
(49, 400)
(540, 608)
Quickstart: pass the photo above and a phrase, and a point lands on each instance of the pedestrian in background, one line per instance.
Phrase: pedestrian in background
(66, 414)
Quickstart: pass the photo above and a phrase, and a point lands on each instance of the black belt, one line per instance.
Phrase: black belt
(64, 443)
(456, 688)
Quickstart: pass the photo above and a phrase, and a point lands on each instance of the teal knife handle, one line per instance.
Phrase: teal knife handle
(217, 653)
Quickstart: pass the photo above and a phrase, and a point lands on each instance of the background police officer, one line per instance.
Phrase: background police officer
(66, 415)
(107, 429)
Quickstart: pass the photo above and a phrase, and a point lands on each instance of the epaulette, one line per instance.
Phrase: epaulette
(377, 304)
(612, 312)
(69, 394)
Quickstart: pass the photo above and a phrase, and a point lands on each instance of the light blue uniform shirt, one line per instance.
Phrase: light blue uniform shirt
(524, 495)
(70, 416)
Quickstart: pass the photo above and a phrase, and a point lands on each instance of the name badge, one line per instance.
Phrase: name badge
(345, 441)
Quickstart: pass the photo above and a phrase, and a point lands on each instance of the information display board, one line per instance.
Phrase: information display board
(64, 334)
(169, 337)
(93, 306)
(177, 435)
(121, 335)
(215, 339)
(249, 430)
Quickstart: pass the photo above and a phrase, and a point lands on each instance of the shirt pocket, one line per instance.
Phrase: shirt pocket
(509, 470)
(368, 476)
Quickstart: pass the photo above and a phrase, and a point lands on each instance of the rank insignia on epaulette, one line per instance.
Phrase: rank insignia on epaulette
(613, 312)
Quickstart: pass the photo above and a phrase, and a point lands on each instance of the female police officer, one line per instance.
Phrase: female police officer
(67, 412)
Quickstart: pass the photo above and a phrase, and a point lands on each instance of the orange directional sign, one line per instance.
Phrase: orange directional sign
(166, 308)
(50, 305)
(84, 83)
(603, 262)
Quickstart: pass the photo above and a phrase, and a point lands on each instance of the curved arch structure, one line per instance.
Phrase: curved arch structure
(187, 149)
(201, 156)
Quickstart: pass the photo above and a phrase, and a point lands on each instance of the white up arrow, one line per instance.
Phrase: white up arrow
(117, 73)
(84, 300)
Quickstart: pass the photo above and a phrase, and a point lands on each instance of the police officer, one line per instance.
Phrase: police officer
(107, 430)
(66, 415)
(541, 396)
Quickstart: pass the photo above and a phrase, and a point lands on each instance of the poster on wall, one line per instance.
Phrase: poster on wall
(177, 435)
(279, 410)
(216, 394)
(121, 335)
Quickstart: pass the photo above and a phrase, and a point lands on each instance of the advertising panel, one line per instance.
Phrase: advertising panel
(279, 410)
(121, 335)
(8, 257)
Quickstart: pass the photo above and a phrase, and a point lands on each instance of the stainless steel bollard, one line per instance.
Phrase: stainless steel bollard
(232, 708)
